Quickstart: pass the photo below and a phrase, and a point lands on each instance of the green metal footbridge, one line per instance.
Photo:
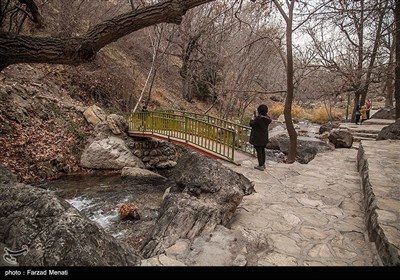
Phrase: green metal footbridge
(214, 136)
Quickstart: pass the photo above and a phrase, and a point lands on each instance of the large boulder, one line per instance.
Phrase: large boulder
(276, 138)
(307, 147)
(112, 125)
(94, 115)
(117, 124)
(207, 194)
(327, 127)
(341, 138)
(305, 153)
(385, 113)
(109, 153)
(390, 132)
(321, 146)
(52, 232)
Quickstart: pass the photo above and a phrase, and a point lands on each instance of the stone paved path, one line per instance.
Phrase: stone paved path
(308, 215)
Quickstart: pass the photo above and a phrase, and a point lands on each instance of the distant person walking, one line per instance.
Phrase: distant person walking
(368, 104)
(363, 113)
(358, 114)
(259, 134)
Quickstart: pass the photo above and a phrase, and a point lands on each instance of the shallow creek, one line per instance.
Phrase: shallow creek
(99, 197)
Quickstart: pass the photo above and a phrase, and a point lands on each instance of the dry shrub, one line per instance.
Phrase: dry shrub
(317, 115)
(298, 113)
(275, 110)
(321, 114)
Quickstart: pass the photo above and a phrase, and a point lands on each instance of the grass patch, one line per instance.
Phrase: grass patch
(318, 115)
(298, 113)
(323, 115)
(275, 111)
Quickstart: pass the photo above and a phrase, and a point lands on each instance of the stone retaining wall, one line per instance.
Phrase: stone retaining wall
(155, 153)
(376, 216)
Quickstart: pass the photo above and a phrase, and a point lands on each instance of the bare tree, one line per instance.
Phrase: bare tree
(197, 44)
(288, 17)
(156, 47)
(161, 49)
(252, 60)
(353, 46)
(388, 55)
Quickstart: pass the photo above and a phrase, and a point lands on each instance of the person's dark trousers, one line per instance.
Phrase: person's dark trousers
(260, 150)
(357, 119)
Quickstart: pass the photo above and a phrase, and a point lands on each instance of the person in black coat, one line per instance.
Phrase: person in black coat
(259, 134)
(358, 114)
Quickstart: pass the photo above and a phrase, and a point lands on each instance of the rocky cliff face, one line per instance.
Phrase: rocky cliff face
(42, 129)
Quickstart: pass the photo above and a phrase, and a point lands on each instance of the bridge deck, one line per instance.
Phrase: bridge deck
(238, 155)
(212, 136)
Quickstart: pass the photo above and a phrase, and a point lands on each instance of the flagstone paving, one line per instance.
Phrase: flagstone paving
(310, 214)
(340, 209)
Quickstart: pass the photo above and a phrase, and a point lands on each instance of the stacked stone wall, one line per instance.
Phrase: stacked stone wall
(155, 153)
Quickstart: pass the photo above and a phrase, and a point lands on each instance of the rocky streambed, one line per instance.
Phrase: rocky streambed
(99, 198)
(74, 221)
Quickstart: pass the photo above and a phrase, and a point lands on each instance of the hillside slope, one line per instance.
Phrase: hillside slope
(43, 130)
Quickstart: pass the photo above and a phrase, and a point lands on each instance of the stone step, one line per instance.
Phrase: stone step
(359, 138)
(378, 122)
(368, 126)
(368, 129)
(372, 135)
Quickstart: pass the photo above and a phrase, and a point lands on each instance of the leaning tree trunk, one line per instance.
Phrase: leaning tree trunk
(287, 112)
(389, 87)
(289, 100)
(16, 48)
(368, 76)
(149, 75)
(397, 69)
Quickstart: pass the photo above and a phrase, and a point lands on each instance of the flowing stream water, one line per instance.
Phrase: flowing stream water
(99, 197)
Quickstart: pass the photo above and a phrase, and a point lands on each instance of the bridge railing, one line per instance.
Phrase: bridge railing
(217, 138)
(242, 131)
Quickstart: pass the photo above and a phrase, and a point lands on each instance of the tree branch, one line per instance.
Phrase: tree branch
(27, 49)
(36, 17)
